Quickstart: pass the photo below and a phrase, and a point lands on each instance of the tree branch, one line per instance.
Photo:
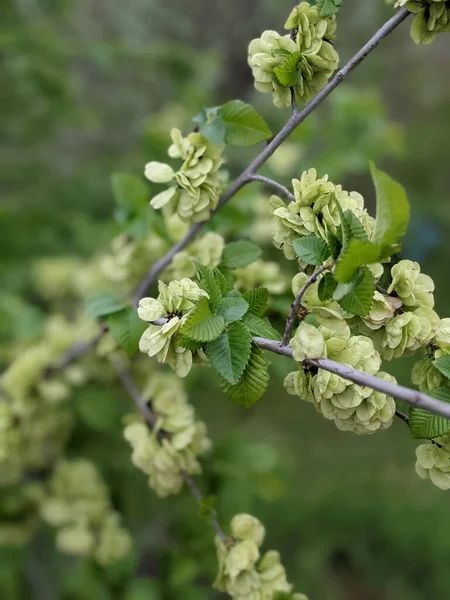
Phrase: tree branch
(150, 419)
(277, 186)
(298, 301)
(296, 119)
(412, 397)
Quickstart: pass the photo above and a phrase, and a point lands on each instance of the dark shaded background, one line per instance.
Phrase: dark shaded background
(89, 87)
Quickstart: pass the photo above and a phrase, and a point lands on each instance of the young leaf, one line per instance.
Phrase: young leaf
(202, 325)
(357, 297)
(126, 328)
(211, 281)
(425, 425)
(233, 307)
(353, 227)
(230, 352)
(442, 364)
(244, 126)
(240, 254)
(253, 383)
(311, 250)
(189, 344)
(287, 73)
(103, 304)
(334, 245)
(326, 287)
(261, 327)
(357, 254)
(257, 301)
(130, 192)
(392, 209)
(214, 131)
(327, 8)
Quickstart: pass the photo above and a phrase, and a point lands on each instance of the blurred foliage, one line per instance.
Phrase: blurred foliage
(89, 89)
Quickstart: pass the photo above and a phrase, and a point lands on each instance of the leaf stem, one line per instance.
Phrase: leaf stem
(276, 186)
(298, 301)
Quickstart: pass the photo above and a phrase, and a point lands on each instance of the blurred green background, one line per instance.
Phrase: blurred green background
(90, 87)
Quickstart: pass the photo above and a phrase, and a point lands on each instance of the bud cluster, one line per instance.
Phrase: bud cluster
(174, 443)
(243, 573)
(302, 62)
(77, 503)
(197, 184)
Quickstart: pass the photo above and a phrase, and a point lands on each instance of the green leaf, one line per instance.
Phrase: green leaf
(357, 297)
(353, 229)
(327, 8)
(334, 245)
(130, 192)
(261, 327)
(287, 73)
(230, 353)
(244, 126)
(214, 131)
(233, 307)
(357, 254)
(311, 250)
(211, 280)
(240, 254)
(103, 304)
(126, 328)
(189, 344)
(202, 325)
(253, 383)
(425, 425)
(257, 301)
(143, 589)
(326, 287)
(442, 364)
(392, 209)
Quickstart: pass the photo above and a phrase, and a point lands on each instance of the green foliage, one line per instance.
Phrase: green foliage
(357, 254)
(442, 364)
(392, 209)
(261, 327)
(425, 425)
(235, 123)
(126, 328)
(214, 284)
(240, 254)
(230, 352)
(233, 307)
(103, 304)
(253, 382)
(328, 7)
(202, 325)
(311, 250)
(287, 73)
(327, 286)
(257, 301)
(356, 297)
(100, 412)
(130, 192)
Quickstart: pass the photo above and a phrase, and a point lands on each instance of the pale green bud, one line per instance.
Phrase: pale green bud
(241, 557)
(425, 375)
(308, 342)
(382, 311)
(246, 527)
(442, 337)
(412, 287)
(76, 540)
(298, 383)
(434, 463)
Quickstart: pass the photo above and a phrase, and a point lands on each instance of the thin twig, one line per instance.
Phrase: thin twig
(403, 416)
(412, 397)
(296, 119)
(150, 419)
(276, 186)
(76, 351)
(298, 301)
